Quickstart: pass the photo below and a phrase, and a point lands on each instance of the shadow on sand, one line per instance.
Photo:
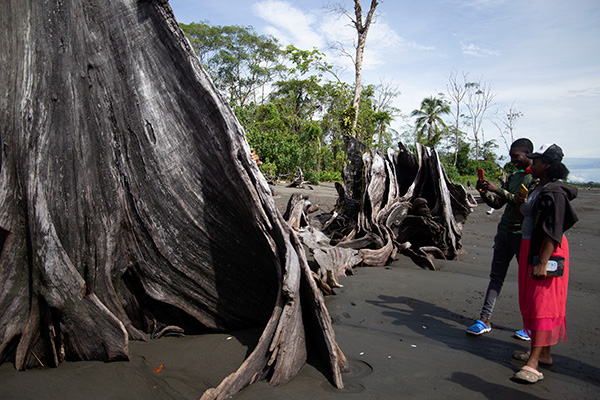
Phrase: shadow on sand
(416, 314)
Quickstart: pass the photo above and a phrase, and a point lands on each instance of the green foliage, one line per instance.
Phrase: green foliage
(451, 171)
(329, 176)
(346, 119)
(239, 60)
(509, 168)
(268, 169)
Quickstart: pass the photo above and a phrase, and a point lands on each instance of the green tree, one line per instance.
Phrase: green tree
(206, 40)
(429, 123)
(239, 61)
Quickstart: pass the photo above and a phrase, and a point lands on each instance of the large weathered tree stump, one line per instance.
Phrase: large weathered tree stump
(408, 198)
(398, 202)
(129, 201)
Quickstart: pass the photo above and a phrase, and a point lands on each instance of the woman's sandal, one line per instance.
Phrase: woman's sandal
(524, 356)
(529, 375)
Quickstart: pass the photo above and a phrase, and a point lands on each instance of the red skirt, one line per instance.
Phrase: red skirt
(543, 302)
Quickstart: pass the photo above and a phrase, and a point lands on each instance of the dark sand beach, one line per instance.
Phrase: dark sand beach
(402, 329)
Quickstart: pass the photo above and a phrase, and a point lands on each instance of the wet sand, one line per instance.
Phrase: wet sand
(402, 329)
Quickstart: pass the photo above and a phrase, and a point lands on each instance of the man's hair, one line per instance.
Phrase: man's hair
(524, 144)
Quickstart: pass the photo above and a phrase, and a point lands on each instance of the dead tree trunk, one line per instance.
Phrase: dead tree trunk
(129, 200)
(362, 29)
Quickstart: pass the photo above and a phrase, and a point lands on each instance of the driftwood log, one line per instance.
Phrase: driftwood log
(390, 203)
(130, 204)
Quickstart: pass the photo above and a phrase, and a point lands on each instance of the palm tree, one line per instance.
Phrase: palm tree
(429, 122)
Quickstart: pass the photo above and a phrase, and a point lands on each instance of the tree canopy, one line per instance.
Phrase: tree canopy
(294, 109)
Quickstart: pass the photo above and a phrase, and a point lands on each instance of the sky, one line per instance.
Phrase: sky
(540, 57)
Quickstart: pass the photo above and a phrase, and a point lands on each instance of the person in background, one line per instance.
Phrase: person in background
(255, 157)
(544, 259)
(508, 237)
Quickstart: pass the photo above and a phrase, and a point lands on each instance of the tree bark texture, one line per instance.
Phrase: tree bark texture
(129, 200)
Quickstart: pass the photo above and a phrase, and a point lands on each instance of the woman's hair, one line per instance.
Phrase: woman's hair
(557, 170)
(524, 144)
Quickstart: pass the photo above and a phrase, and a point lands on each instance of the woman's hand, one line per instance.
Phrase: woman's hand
(539, 270)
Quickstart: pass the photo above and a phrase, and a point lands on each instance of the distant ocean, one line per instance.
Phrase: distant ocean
(583, 169)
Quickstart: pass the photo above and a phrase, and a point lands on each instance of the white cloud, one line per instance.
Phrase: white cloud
(289, 24)
(323, 30)
(471, 49)
(588, 92)
(480, 3)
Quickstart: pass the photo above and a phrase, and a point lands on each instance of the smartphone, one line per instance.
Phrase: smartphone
(480, 173)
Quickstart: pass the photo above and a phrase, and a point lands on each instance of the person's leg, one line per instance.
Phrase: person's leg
(534, 357)
(503, 254)
(529, 372)
(545, 356)
(515, 242)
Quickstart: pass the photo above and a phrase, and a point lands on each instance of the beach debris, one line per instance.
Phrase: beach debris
(38, 359)
(299, 182)
(159, 368)
(129, 195)
(170, 330)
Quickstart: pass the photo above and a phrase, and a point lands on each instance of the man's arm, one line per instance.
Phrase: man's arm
(493, 195)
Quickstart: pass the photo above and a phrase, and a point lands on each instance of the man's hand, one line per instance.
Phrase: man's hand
(491, 186)
(486, 186)
(479, 186)
(520, 197)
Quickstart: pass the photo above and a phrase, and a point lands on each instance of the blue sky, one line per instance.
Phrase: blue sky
(540, 56)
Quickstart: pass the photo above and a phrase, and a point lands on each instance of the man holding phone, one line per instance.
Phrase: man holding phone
(508, 237)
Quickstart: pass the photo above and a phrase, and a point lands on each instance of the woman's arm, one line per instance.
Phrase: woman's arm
(539, 270)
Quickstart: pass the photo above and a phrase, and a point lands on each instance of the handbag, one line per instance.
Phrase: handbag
(555, 266)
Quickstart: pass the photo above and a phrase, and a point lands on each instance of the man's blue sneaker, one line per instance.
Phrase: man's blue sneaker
(478, 328)
(522, 335)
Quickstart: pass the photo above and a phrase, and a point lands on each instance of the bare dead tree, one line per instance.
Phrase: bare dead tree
(130, 204)
(362, 29)
(385, 93)
(506, 123)
(479, 100)
(457, 92)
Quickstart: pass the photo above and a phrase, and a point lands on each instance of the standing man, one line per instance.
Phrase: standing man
(508, 237)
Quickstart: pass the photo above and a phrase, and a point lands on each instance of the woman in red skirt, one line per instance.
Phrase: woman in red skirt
(544, 260)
